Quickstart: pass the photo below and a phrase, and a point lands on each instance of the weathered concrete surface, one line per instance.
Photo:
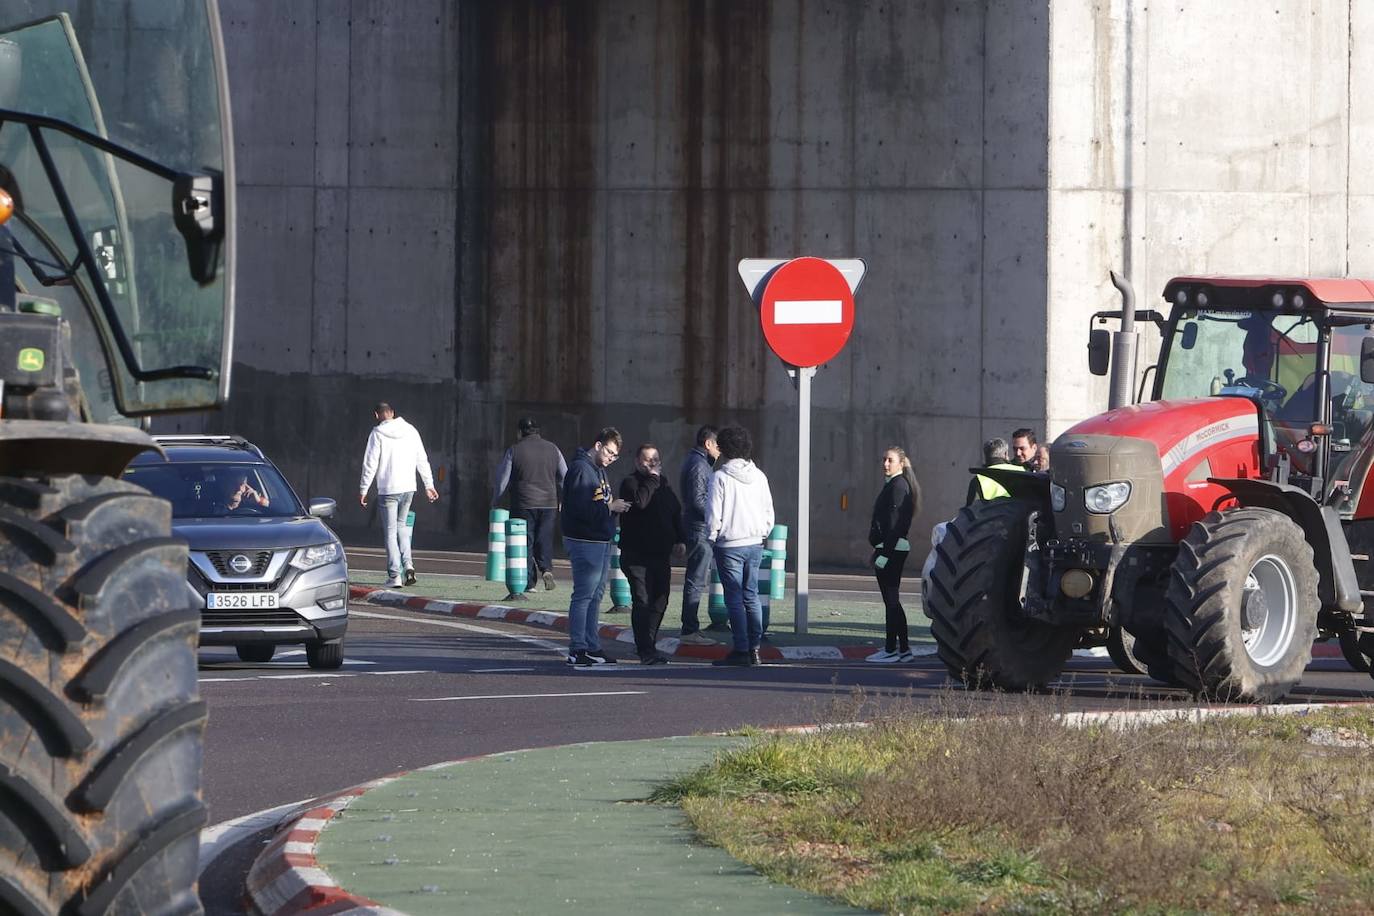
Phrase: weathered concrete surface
(481, 210)
(1197, 138)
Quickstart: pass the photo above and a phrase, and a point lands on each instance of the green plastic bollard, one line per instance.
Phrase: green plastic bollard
(517, 558)
(764, 599)
(496, 545)
(620, 585)
(777, 574)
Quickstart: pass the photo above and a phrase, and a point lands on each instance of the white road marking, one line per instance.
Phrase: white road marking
(527, 696)
(215, 840)
(472, 628)
(498, 670)
(319, 674)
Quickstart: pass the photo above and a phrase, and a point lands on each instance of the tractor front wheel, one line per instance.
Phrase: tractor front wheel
(1121, 647)
(976, 597)
(1241, 608)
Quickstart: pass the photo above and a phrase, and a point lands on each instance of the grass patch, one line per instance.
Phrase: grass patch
(1005, 809)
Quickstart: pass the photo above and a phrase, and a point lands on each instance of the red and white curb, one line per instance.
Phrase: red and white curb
(554, 620)
(378, 595)
(286, 878)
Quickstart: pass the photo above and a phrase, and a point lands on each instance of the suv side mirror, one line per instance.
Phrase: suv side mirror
(322, 508)
(1099, 351)
(1367, 360)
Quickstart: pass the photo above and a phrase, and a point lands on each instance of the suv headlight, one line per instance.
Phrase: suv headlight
(1107, 497)
(1058, 497)
(319, 555)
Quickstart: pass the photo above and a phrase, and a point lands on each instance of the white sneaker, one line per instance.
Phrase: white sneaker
(392, 583)
(884, 657)
(906, 655)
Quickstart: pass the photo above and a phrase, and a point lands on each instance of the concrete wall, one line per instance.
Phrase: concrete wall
(1216, 138)
(482, 210)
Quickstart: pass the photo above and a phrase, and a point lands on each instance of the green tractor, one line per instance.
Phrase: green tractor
(116, 303)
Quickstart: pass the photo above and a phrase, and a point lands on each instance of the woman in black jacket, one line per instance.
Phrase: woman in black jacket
(898, 502)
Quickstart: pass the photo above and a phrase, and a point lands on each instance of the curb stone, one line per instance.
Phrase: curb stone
(377, 595)
(286, 878)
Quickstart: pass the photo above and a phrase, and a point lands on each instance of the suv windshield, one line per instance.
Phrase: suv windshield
(219, 489)
(97, 232)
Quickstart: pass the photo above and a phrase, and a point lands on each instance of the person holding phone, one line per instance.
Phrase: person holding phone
(590, 511)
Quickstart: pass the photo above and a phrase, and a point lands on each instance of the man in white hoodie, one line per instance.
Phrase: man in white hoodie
(394, 455)
(739, 515)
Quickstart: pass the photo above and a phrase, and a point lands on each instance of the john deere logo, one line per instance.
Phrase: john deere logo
(31, 359)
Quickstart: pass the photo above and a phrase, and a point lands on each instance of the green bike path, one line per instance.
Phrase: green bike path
(539, 830)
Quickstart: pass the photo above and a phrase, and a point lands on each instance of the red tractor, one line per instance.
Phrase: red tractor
(1220, 526)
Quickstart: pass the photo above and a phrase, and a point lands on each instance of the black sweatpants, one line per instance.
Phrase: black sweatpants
(890, 585)
(650, 579)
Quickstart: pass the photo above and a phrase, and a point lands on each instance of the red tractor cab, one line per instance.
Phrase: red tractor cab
(1215, 530)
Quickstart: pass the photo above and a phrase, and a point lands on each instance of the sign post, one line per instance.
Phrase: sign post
(806, 310)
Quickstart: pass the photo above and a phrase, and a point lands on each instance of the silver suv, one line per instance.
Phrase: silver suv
(266, 570)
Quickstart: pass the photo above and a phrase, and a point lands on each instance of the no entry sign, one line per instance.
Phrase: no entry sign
(807, 311)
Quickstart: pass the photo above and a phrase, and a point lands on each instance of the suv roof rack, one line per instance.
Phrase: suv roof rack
(193, 439)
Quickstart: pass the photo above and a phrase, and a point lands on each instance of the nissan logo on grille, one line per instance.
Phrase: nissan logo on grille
(240, 563)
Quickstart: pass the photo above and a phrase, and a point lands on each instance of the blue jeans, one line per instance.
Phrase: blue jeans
(694, 577)
(738, 568)
(591, 561)
(396, 533)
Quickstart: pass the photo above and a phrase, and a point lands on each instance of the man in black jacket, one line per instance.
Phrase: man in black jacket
(695, 484)
(589, 516)
(650, 530)
(533, 470)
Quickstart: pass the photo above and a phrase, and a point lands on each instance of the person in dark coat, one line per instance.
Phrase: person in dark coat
(893, 510)
(694, 483)
(650, 531)
(532, 470)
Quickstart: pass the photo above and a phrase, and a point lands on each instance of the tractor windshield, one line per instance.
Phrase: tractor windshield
(113, 132)
(1268, 356)
(1271, 356)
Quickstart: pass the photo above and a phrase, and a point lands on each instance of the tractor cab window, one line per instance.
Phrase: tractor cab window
(1264, 355)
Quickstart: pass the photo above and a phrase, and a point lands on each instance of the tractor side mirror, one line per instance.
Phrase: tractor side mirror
(1367, 360)
(1100, 350)
(1189, 336)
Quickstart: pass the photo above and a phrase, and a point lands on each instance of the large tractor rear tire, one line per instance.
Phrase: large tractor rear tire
(975, 595)
(100, 723)
(1241, 608)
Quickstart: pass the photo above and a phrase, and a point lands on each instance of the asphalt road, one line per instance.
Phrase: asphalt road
(418, 689)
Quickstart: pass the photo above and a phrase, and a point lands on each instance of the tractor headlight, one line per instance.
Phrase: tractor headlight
(1058, 497)
(319, 555)
(1107, 497)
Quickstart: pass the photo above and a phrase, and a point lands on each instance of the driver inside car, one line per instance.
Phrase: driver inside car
(240, 494)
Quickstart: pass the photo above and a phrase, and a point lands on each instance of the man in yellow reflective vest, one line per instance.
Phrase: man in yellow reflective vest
(995, 455)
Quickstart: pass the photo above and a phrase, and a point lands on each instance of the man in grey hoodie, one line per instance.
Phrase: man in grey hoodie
(739, 516)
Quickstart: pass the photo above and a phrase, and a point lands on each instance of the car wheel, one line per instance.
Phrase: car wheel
(256, 653)
(326, 654)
